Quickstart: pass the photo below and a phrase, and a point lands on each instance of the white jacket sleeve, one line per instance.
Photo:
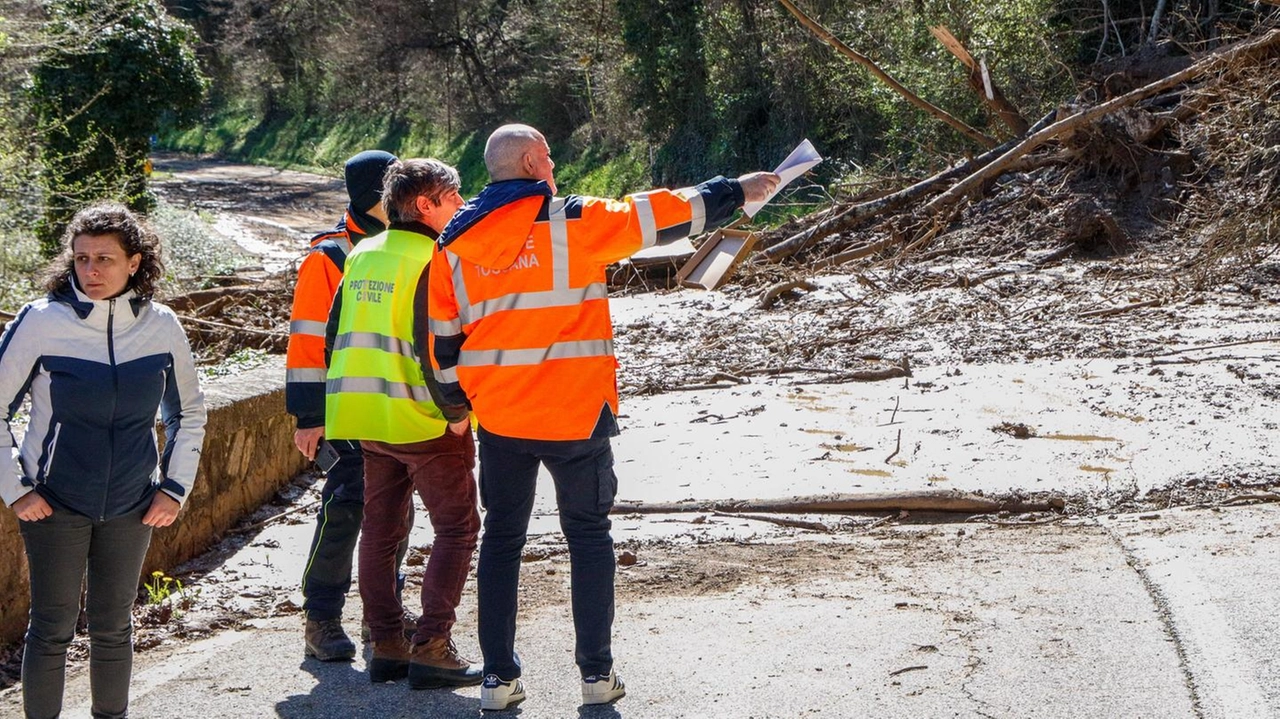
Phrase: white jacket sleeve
(19, 357)
(182, 412)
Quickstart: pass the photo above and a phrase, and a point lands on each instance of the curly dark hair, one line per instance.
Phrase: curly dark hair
(109, 218)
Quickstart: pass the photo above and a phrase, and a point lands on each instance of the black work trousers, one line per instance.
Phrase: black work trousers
(585, 486)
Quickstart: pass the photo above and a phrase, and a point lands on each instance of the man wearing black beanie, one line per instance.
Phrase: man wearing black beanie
(326, 578)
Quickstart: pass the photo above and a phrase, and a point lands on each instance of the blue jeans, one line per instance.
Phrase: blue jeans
(59, 550)
(585, 488)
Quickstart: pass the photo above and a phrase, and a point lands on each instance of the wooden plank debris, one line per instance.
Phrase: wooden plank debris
(717, 258)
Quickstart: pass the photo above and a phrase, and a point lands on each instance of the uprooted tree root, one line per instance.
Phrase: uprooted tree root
(1232, 212)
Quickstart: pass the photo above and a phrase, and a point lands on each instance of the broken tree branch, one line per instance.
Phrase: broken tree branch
(980, 81)
(1155, 21)
(857, 253)
(1118, 310)
(865, 375)
(931, 500)
(1219, 345)
(770, 296)
(198, 298)
(896, 448)
(780, 521)
(1211, 63)
(273, 518)
(233, 328)
(886, 78)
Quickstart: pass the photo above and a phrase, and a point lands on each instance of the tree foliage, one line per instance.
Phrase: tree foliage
(685, 88)
(110, 73)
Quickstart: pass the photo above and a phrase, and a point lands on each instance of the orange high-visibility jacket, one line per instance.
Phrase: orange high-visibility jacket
(318, 278)
(519, 313)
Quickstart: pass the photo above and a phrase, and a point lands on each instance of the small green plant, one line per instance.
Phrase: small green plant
(160, 587)
(163, 589)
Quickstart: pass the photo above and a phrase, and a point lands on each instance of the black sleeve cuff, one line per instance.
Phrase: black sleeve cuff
(456, 413)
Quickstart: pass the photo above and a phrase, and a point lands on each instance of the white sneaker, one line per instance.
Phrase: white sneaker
(598, 689)
(496, 695)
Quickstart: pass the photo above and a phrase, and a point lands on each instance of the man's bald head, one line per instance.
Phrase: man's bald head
(516, 152)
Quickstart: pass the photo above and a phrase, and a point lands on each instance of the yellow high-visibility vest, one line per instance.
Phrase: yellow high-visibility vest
(375, 389)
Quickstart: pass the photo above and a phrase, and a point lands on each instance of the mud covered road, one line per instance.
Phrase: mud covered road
(1156, 424)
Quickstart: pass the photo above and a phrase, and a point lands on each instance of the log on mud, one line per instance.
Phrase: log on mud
(912, 501)
(190, 301)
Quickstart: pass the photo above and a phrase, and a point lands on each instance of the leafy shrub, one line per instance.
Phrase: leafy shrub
(192, 251)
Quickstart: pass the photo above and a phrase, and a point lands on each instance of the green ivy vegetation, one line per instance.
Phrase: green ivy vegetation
(110, 73)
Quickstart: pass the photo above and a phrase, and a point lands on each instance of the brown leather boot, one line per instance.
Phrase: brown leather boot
(435, 663)
(390, 659)
(325, 640)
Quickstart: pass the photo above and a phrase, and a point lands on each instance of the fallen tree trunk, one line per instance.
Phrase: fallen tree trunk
(917, 501)
(851, 217)
(198, 298)
(1239, 52)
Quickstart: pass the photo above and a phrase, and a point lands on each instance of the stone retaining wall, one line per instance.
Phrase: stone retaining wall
(248, 456)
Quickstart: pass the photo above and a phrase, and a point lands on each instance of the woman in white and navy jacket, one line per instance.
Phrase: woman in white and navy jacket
(98, 358)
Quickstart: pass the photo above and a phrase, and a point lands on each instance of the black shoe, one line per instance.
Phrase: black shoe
(326, 641)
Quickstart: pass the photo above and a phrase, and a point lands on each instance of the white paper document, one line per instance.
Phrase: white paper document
(801, 160)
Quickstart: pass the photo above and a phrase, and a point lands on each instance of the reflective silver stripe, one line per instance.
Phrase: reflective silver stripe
(53, 448)
(698, 221)
(460, 289)
(559, 246)
(446, 376)
(311, 328)
(375, 341)
(648, 224)
(559, 350)
(540, 300)
(378, 385)
(305, 375)
(344, 243)
(446, 328)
